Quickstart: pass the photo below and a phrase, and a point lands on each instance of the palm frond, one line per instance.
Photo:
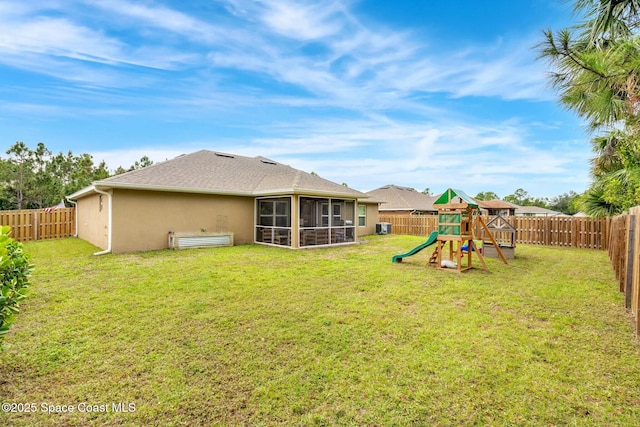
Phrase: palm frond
(595, 205)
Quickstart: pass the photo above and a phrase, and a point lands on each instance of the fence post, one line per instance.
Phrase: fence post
(631, 235)
(34, 225)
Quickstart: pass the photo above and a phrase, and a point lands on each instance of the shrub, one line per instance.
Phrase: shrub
(15, 270)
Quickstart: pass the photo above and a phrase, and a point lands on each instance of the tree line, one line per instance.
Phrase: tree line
(568, 203)
(37, 178)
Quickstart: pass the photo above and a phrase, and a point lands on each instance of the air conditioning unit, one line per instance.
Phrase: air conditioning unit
(383, 228)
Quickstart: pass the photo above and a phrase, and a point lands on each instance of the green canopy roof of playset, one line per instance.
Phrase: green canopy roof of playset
(451, 193)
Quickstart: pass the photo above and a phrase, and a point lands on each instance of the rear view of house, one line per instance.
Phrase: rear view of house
(250, 199)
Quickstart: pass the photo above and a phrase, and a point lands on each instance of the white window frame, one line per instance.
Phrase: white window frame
(362, 216)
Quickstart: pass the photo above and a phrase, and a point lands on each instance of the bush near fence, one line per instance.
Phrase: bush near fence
(573, 232)
(40, 224)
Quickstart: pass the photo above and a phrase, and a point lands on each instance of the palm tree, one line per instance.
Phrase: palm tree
(600, 84)
(597, 74)
(611, 18)
(608, 158)
(595, 205)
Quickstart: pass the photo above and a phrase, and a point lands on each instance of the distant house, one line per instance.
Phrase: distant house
(210, 196)
(397, 200)
(535, 211)
(497, 207)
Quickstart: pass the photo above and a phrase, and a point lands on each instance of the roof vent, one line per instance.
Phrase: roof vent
(229, 156)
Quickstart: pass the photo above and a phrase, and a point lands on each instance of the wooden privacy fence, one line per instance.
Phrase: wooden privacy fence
(412, 225)
(40, 224)
(624, 252)
(573, 232)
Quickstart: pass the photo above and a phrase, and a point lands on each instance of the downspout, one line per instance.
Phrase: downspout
(109, 222)
(75, 205)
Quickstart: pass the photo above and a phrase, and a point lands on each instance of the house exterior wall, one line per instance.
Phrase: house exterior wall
(499, 211)
(373, 217)
(93, 219)
(143, 219)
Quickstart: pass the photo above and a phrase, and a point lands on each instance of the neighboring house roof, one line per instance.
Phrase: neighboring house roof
(212, 172)
(495, 204)
(451, 194)
(535, 210)
(397, 198)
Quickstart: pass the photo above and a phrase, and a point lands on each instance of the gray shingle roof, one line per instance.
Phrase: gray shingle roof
(397, 198)
(535, 210)
(213, 172)
(495, 204)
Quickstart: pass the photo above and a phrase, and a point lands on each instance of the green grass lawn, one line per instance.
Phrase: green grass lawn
(254, 335)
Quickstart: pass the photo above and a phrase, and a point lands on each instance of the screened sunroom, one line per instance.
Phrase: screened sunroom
(273, 221)
(319, 221)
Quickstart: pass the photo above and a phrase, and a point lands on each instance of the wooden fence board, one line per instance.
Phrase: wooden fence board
(40, 224)
(624, 253)
(571, 232)
(634, 253)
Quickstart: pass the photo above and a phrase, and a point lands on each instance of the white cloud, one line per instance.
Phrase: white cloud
(360, 68)
(254, 58)
(302, 20)
(57, 37)
(368, 154)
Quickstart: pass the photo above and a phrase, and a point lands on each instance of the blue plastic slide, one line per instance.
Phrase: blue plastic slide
(433, 237)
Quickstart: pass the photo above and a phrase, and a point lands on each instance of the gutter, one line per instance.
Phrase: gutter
(109, 222)
(250, 193)
(170, 189)
(75, 205)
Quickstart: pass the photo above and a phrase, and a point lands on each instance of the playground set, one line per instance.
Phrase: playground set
(458, 223)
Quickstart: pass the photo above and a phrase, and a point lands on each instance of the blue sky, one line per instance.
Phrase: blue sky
(424, 94)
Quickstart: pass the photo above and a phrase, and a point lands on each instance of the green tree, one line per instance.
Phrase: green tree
(611, 18)
(37, 179)
(6, 169)
(486, 195)
(519, 197)
(20, 174)
(142, 163)
(69, 173)
(138, 164)
(564, 203)
(595, 203)
(597, 74)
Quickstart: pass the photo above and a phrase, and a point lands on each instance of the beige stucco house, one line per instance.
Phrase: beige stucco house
(220, 198)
